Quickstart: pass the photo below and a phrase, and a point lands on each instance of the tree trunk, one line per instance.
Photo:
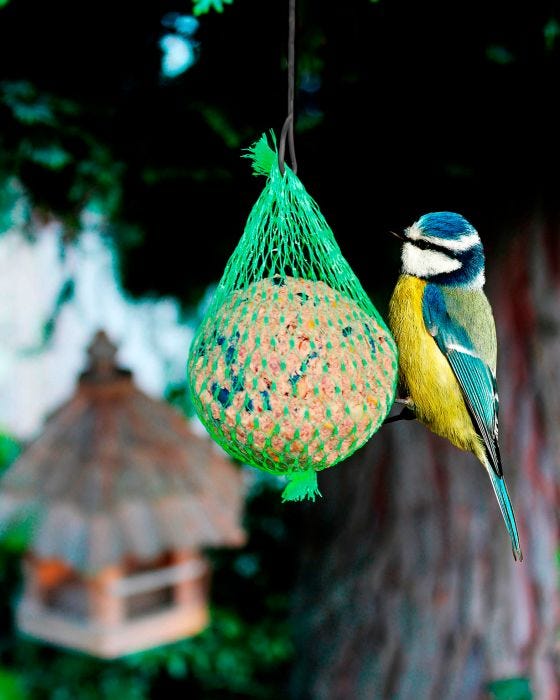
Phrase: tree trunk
(408, 588)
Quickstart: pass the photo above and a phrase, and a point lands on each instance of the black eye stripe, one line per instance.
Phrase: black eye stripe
(428, 245)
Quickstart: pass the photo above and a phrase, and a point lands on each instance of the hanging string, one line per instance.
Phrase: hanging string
(288, 128)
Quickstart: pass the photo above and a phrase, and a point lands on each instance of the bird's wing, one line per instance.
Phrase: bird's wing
(475, 377)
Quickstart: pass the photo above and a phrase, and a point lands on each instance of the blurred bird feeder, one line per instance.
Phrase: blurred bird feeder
(125, 496)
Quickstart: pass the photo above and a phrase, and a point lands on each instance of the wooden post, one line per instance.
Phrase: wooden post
(191, 590)
(32, 588)
(106, 607)
(42, 575)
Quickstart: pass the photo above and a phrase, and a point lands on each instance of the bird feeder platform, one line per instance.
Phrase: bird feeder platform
(115, 612)
(125, 497)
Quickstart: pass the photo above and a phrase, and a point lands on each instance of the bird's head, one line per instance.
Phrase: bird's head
(443, 247)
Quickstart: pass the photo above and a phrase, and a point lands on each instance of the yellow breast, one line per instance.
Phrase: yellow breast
(424, 373)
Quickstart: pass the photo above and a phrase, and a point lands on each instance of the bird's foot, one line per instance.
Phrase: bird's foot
(407, 412)
(408, 402)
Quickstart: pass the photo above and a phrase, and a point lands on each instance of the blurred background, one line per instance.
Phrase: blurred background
(123, 192)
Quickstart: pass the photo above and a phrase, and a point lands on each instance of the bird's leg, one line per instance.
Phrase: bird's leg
(408, 402)
(407, 412)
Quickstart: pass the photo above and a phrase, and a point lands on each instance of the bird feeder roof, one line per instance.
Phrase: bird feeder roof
(117, 474)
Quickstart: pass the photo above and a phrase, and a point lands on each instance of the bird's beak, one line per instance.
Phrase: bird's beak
(397, 235)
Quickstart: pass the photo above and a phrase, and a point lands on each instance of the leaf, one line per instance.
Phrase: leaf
(551, 33)
(510, 689)
(51, 156)
(11, 686)
(218, 121)
(201, 7)
(9, 450)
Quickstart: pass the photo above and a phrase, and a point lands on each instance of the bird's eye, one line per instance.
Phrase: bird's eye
(423, 245)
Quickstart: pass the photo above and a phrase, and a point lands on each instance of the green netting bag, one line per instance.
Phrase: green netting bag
(292, 368)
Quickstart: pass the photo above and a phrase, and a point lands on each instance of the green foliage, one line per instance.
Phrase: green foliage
(15, 537)
(9, 450)
(220, 124)
(49, 149)
(12, 199)
(65, 294)
(551, 33)
(51, 674)
(510, 689)
(499, 54)
(11, 687)
(32, 108)
(49, 155)
(201, 7)
(228, 656)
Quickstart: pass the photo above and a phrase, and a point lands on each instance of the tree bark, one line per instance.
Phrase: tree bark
(407, 587)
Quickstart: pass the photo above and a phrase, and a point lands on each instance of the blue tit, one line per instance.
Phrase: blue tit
(444, 328)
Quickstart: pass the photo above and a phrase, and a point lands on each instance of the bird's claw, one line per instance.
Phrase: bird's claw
(407, 412)
(408, 402)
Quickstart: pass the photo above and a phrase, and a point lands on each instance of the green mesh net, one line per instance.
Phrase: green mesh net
(292, 368)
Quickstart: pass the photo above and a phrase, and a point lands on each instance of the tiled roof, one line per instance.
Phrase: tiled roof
(116, 473)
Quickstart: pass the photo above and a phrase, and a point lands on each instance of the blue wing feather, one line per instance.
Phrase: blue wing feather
(475, 378)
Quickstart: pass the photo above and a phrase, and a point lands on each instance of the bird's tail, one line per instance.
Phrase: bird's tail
(500, 489)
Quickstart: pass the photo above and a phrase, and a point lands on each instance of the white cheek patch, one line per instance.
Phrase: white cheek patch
(426, 263)
(477, 282)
